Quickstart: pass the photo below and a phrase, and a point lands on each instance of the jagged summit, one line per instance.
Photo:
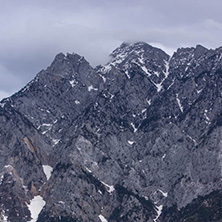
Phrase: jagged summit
(187, 55)
(151, 61)
(139, 53)
(135, 48)
(67, 65)
(199, 49)
(186, 61)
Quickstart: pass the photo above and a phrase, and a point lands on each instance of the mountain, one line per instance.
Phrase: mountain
(137, 139)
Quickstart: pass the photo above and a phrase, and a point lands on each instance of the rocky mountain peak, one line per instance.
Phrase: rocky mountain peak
(141, 54)
(138, 139)
(152, 62)
(69, 65)
(186, 61)
(200, 50)
(197, 51)
(126, 49)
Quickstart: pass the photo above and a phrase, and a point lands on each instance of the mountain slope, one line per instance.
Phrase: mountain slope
(128, 140)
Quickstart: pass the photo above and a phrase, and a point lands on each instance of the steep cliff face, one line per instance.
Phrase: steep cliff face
(138, 139)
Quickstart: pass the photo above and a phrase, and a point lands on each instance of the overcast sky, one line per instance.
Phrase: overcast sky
(32, 32)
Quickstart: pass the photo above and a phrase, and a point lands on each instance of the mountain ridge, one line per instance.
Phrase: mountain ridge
(127, 141)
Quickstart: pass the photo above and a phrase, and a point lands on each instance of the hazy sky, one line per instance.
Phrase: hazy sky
(32, 32)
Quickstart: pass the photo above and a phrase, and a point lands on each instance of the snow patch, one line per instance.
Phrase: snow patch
(47, 170)
(90, 88)
(104, 79)
(102, 218)
(206, 117)
(163, 157)
(73, 82)
(55, 141)
(5, 218)
(8, 166)
(159, 211)
(188, 65)
(165, 194)
(166, 73)
(159, 86)
(146, 198)
(127, 74)
(145, 70)
(61, 202)
(167, 66)
(144, 110)
(141, 60)
(47, 126)
(26, 88)
(171, 84)
(157, 73)
(1, 179)
(119, 58)
(106, 96)
(35, 206)
(88, 169)
(105, 69)
(199, 91)
(134, 127)
(77, 102)
(111, 95)
(148, 101)
(2, 105)
(110, 189)
(179, 103)
(130, 142)
(195, 142)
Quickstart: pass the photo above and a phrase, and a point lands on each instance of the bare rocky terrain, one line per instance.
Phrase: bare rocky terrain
(137, 139)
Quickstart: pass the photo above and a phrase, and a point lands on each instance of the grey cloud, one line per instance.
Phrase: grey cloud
(9, 83)
(33, 32)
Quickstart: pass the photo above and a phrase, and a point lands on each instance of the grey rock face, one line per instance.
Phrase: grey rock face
(138, 139)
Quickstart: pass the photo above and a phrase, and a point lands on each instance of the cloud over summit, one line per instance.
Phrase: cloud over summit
(33, 32)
